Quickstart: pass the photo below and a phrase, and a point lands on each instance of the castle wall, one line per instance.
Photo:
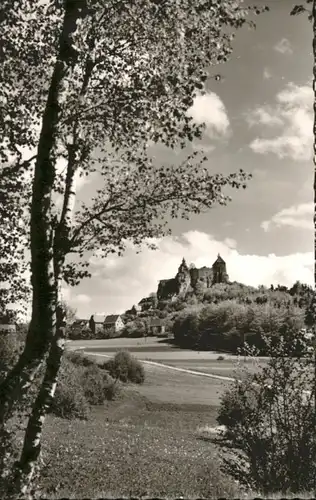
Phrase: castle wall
(186, 279)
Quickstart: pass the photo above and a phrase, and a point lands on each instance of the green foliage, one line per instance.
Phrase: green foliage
(77, 358)
(98, 386)
(111, 85)
(9, 350)
(134, 329)
(70, 400)
(81, 384)
(301, 9)
(126, 368)
(78, 331)
(226, 325)
(186, 330)
(269, 439)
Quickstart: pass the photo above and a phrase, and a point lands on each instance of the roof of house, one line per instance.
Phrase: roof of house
(111, 319)
(99, 318)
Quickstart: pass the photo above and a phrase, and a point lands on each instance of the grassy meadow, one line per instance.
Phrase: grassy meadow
(145, 443)
(153, 440)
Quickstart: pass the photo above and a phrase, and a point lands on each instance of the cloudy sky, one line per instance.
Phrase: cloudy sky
(259, 118)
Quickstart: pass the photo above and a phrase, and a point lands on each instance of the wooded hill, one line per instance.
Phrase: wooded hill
(226, 314)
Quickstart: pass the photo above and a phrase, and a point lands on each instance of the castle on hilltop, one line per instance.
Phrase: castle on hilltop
(189, 278)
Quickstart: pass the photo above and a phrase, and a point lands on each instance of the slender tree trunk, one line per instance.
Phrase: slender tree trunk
(24, 471)
(25, 468)
(44, 280)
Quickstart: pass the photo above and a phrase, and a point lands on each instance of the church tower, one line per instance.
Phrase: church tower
(219, 271)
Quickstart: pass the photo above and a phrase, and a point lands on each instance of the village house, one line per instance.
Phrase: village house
(113, 321)
(101, 322)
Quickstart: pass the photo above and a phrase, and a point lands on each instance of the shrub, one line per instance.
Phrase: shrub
(77, 358)
(125, 368)
(134, 329)
(98, 386)
(81, 383)
(70, 400)
(269, 421)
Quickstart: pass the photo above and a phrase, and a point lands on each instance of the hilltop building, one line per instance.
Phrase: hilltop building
(187, 279)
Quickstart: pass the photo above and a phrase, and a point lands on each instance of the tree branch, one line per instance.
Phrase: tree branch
(15, 169)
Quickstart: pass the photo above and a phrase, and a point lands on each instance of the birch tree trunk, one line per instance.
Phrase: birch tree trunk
(42, 336)
(24, 470)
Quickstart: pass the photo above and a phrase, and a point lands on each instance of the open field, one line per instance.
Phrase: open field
(135, 447)
(168, 386)
(154, 347)
(143, 444)
(148, 442)
(161, 351)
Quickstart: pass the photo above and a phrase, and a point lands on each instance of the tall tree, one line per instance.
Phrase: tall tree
(87, 86)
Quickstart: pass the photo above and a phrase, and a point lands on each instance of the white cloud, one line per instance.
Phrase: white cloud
(230, 242)
(82, 298)
(284, 47)
(293, 117)
(120, 282)
(267, 74)
(263, 116)
(209, 109)
(300, 216)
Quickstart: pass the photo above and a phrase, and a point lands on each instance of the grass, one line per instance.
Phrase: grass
(155, 440)
(135, 447)
(143, 444)
(166, 385)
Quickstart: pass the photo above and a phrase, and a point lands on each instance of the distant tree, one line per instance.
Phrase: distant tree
(135, 328)
(70, 313)
(199, 290)
(186, 330)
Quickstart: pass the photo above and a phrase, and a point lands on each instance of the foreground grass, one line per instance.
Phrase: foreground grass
(134, 447)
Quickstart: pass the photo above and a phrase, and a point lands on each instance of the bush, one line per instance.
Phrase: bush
(81, 383)
(77, 358)
(269, 421)
(98, 386)
(125, 368)
(70, 400)
(134, 329)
